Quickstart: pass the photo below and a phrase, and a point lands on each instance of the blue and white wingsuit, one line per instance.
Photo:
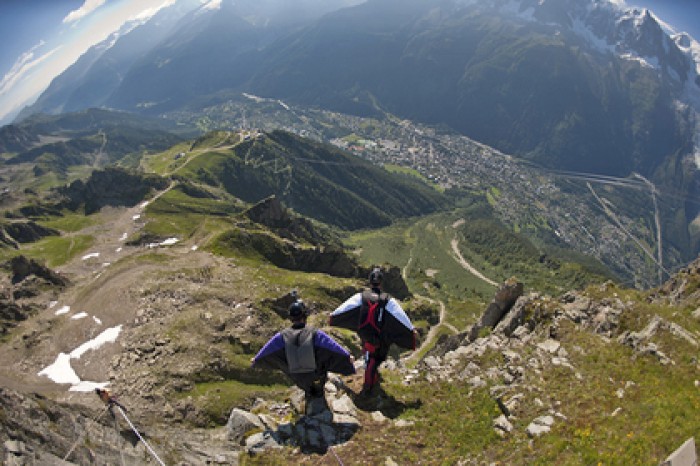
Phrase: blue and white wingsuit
(305, 354)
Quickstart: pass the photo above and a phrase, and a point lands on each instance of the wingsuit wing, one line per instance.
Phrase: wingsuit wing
(330, 356)
(272, 355)
(397, 327)
(347, 315)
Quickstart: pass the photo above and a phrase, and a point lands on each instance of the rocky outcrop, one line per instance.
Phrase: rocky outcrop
(11, 313)
(497, 311)
(527, 340)
(111, 187)
(313, 426)
(502, 302)
(28, 279)
(16, 139)
(26, 232)
(38, 431)
(23, 267)
(271, 213)
(293, 256)
(682, 287)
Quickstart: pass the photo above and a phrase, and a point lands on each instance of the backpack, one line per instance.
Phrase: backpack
(372, 317)
(299, 349)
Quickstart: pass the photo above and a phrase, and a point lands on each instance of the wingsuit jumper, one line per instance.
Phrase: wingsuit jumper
(380, 322)
(304, 353)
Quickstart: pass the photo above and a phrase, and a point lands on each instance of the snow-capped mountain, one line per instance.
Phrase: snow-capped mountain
(632, 34)
(577, 84)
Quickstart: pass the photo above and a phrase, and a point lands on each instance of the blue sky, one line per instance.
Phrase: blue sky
(40, 38)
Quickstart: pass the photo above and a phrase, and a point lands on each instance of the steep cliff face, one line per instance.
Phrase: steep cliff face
(111, 186)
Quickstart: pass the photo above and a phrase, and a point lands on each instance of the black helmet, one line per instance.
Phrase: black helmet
(376, 276)
(297, 309)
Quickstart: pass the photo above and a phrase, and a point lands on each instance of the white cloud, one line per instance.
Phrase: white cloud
(212, 5)
(22, 66)
(149, 12)
(32, 72)
(88, 7)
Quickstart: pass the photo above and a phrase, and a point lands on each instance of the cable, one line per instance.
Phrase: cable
(139, 435)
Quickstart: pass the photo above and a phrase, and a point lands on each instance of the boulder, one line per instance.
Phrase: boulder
(240, 423)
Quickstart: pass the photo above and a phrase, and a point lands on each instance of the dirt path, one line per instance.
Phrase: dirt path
(467, 265)
(104, 277)
(432, 333)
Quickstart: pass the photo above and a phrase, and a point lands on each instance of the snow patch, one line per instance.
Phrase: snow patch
(167, 242)
(61, 370)
(581, 30)
(91, 255)
(63, 310)
(85, 386)
(97, 320)
(52, 304)
(646, 62)
(118, 250)
(136, 217)
(80, 315)
(123, 237)
(108, 336)
(194, 248)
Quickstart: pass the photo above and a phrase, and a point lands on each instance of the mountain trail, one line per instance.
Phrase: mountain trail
(467, 265)
(432, 333)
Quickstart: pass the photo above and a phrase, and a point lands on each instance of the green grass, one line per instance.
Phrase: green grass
(217, 398)
(177, 214)
(463, 313)
(57, 250)
(165, 162)
(423, 248)
(69, 222)
(658, 411)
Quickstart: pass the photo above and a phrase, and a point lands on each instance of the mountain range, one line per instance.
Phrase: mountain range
(582, 86)
(577, 85)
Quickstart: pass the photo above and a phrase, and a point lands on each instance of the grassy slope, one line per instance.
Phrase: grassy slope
(423, 247)
(656, 406)
(452, 421)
